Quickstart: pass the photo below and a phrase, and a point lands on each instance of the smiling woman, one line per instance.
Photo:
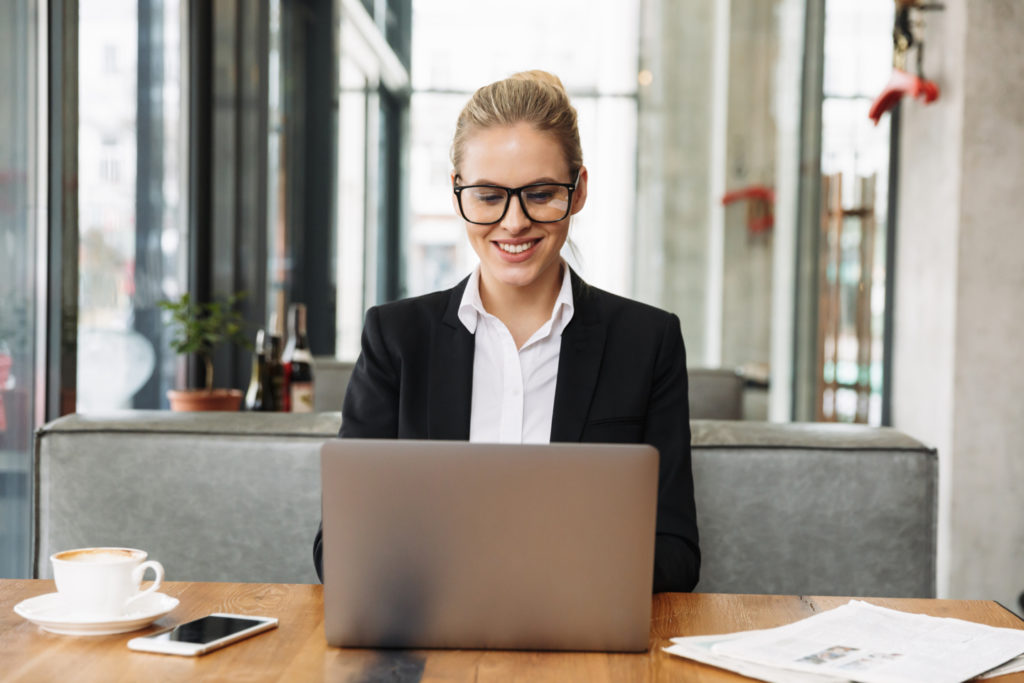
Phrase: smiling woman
(523, 350)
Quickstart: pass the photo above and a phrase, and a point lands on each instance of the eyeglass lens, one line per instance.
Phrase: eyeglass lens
(542, 203)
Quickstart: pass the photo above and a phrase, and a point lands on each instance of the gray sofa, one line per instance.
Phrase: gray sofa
(332, 377)
(797, 508)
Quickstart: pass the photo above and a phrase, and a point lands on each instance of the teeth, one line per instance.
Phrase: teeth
(516, 248)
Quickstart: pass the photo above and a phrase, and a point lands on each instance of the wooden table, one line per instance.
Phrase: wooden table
(296, 651)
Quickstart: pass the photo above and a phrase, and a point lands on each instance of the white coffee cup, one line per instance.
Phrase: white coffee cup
(103, 582)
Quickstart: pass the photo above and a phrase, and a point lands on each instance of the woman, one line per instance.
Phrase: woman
(523, 350)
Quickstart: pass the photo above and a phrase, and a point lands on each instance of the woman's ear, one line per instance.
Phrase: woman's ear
(579, 197)
(455, 200)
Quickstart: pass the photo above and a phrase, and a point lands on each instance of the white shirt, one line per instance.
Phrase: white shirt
(513, 389)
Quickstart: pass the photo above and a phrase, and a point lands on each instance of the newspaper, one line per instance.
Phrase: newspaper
(698, 648)
(1011, 667)
(864, 643)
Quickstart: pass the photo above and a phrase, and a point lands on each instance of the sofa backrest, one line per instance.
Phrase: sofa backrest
(782, 508)
(331, 380)
(212, 496)
(814, 509)
(715, 394)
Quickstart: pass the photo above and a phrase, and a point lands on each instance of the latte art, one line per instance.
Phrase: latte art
(99, 555)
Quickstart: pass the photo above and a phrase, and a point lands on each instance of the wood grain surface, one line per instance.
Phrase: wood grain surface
(296, 650)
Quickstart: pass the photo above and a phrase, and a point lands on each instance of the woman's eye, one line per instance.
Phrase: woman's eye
(539, 196)
(485, 197)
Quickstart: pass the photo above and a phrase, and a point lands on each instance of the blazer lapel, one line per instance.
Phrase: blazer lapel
(578, 364)
(451, 374)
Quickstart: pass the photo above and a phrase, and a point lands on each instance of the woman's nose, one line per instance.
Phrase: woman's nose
(515, 219)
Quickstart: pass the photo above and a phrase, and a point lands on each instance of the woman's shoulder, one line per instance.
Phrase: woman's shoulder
(631, 324)
(618, 308)
(423, 307)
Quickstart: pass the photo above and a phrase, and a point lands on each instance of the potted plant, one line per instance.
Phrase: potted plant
(200, 328)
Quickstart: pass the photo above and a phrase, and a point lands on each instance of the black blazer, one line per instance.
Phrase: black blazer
(621, 379)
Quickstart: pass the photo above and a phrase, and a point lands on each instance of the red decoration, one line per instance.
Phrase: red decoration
(760, 212)
(905, 37)
(901, 83)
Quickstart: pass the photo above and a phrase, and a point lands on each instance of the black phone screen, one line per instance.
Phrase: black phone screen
(208, 629)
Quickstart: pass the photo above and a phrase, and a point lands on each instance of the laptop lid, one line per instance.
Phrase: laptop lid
(444, 544)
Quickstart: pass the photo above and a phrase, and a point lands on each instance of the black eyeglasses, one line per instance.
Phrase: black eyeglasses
(541, 202)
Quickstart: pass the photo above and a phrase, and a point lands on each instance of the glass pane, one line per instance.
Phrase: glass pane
(19, 216)
(855, 161)
(351, 223)
(437, 252)
(858, 47)
(131, 212)
(463, 44)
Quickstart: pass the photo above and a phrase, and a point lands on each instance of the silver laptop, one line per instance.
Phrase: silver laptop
(450, 544)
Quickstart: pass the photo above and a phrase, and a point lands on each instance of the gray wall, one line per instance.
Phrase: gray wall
(958, 364)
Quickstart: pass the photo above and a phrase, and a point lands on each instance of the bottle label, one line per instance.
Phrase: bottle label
(302, 397)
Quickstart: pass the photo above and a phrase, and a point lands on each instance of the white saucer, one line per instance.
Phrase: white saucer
(49, 613)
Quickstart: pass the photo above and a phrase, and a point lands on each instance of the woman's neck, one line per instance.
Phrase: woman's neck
(524, 309)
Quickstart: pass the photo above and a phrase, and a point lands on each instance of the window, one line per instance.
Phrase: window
(855, 165)
(373, 81)
(131, 212)
(22, 220)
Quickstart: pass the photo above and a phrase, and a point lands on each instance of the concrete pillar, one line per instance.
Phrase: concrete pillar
(707, 125)
(958, 348)
(746, 296)
(673, 155)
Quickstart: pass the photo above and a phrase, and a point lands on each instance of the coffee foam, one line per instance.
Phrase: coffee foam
(99, 555)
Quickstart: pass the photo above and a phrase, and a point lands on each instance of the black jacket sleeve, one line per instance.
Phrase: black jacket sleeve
(370, 410)
(667, 427)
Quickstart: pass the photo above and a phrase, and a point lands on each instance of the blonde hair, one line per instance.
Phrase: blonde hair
(534, 97)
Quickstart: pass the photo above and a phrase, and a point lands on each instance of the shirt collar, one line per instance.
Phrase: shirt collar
(472, 306)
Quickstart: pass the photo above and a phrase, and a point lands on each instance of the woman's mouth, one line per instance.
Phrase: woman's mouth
(519, 248)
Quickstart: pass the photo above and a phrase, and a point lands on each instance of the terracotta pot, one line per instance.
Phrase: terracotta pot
(196, 400)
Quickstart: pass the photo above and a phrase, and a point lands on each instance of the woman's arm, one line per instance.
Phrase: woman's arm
(677, 552)
(370, 409)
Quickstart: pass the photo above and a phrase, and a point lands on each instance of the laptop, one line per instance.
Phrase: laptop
(451, 544)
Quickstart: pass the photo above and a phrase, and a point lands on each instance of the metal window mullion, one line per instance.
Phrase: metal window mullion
(61, 329)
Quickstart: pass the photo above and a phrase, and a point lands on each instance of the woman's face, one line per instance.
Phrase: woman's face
(516, 251)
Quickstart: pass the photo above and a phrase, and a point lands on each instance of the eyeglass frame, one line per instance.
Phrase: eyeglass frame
(517, 191)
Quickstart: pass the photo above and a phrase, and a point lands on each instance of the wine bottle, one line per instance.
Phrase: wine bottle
(298, 362)
(257, 396)
(276, 374)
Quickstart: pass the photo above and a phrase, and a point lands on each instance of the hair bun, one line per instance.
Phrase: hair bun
(539, 76)
(535, 97)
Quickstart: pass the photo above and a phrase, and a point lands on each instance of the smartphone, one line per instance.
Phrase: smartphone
(203, 635)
